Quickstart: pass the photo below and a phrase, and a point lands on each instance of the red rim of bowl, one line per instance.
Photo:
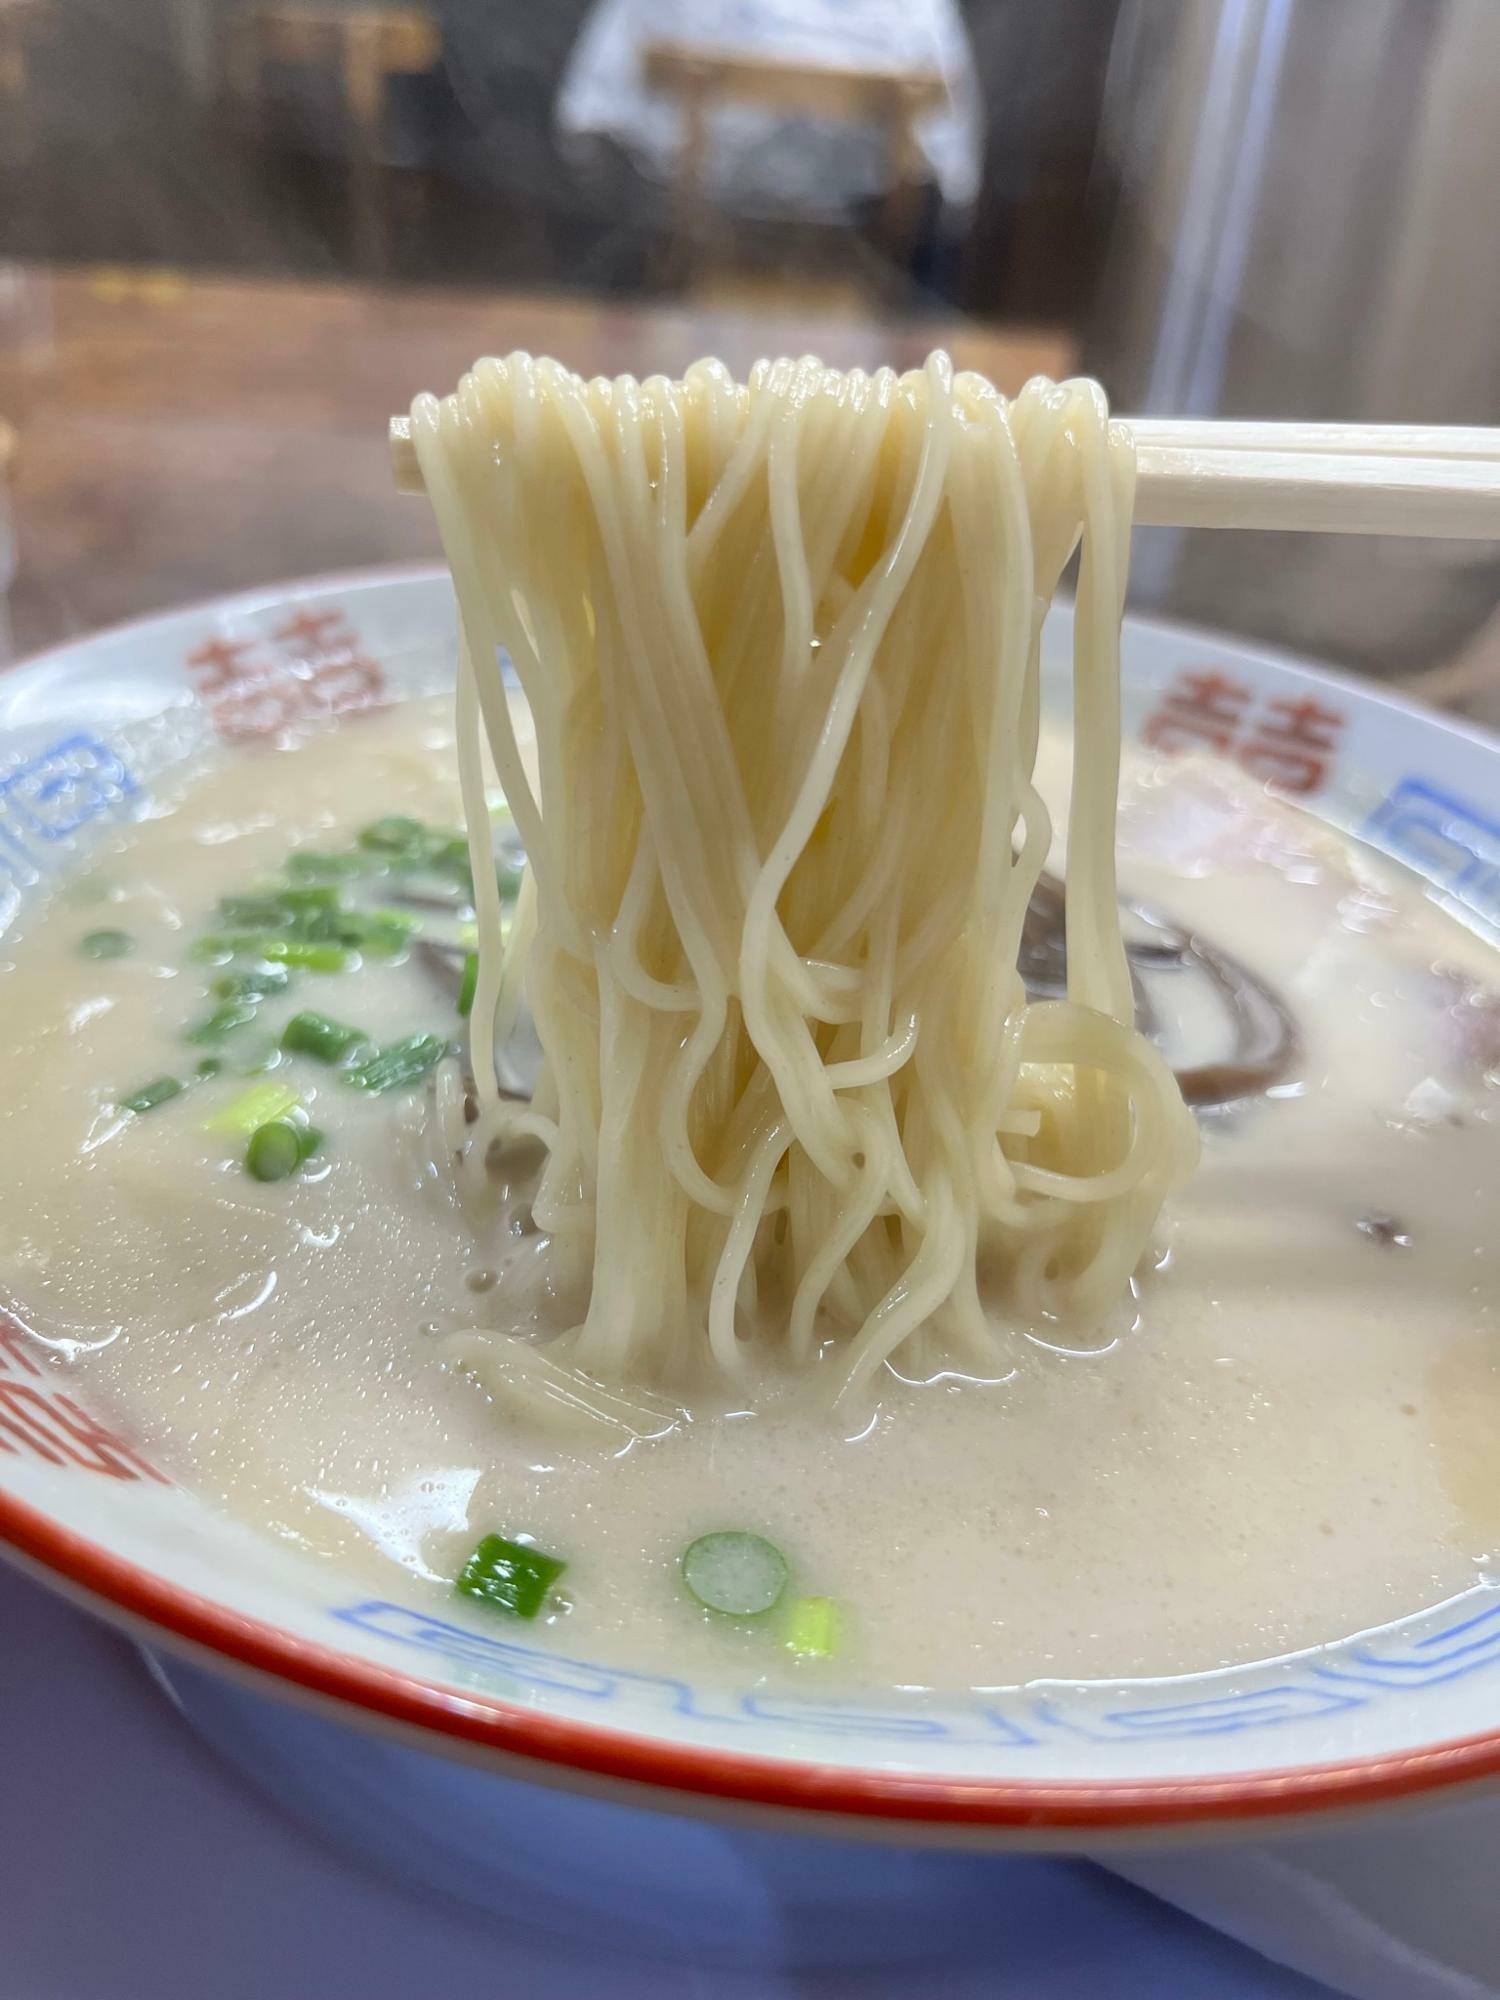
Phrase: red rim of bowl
(1082, 1805)
(1078, 1805)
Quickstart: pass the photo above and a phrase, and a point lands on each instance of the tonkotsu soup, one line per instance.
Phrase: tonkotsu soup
(234, 1073)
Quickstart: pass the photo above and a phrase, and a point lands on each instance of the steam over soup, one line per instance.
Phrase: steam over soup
(229, 1204)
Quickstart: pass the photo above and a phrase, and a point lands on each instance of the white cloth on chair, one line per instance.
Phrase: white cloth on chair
(761, 160)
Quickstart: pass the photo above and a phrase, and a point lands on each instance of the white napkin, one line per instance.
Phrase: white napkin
(1404, 1908)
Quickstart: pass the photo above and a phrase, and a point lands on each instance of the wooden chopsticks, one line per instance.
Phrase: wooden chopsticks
(1342, 479)
(1346, 479)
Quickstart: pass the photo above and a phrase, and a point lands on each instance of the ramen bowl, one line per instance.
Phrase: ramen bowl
(1397, 1713)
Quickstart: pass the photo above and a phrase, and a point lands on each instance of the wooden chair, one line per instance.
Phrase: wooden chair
(367, 45)
(893, 100)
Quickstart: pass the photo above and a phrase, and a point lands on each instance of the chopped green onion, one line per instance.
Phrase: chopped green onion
(395, 834)
(449, 855)
(512, 1576)
(261, 1104)
(274, 1151)
(304, 956)
(470, 984)
(105, 944)
(151, 1094)
(311, 913)
(316, 926)
(406, 844)
(309, 1141)
(210, 1066)
(737, 1573)
(253, 913)
(218, 947)
(399, 1063)
(223, 1021)
(249, 986)
(316, 1035)
(382, 934)
(812, 1630)
(312, 896)
(308, 865)
(508, 881)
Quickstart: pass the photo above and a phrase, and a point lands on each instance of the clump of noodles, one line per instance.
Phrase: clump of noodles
(781, 647)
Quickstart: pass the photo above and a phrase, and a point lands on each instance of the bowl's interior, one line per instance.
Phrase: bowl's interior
(83, 734)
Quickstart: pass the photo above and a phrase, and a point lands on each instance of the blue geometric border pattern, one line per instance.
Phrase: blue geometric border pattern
(49, 797)
(1411, 1655)
(1407, 1661)
(1452, 843)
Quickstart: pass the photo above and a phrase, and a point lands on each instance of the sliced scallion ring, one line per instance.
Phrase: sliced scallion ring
(105, 944)
(734, 1572)
(274, 1151)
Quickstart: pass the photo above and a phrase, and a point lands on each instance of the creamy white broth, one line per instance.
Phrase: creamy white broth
(1285, 1438)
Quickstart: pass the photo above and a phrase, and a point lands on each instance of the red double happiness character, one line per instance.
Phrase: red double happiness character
(1201, 710)
(1292, 743)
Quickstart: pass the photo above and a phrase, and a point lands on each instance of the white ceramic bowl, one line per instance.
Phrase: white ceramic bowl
(84, 732)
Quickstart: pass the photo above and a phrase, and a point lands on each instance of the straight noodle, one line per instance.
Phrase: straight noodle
(781, 646)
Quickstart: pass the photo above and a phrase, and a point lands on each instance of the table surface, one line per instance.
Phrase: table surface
(180, 436)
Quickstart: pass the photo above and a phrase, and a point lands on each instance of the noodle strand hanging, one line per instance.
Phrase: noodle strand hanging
(781, 646)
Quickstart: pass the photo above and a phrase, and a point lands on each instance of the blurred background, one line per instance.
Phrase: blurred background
(236, 234)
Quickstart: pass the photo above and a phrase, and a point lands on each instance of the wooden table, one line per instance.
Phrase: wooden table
(178, 437)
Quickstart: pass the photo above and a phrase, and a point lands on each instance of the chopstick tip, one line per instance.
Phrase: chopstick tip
(405, 468)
